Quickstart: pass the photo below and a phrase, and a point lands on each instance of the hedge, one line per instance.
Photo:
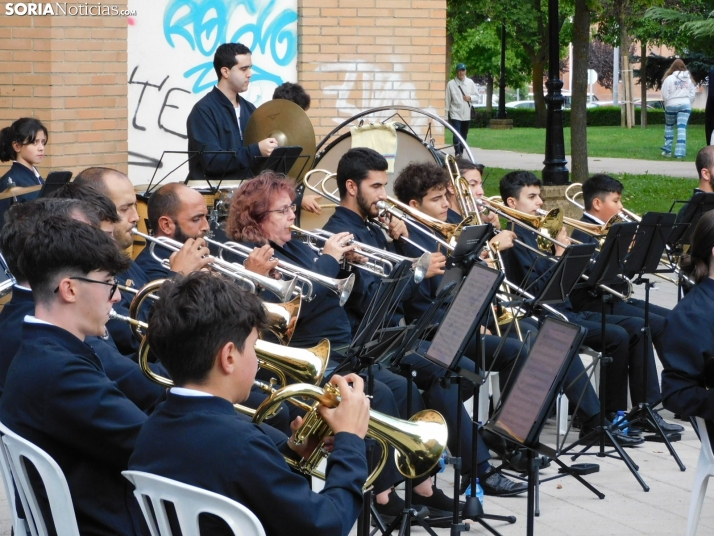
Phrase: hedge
(602, 116)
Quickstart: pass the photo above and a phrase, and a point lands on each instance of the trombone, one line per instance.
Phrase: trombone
(282, 289)
(624, 214)
(382, 261)
(341, 287)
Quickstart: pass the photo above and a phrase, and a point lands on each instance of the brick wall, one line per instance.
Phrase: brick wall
(69, 72)
(360, 54)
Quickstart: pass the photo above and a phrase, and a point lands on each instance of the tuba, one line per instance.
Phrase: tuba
(418, 442)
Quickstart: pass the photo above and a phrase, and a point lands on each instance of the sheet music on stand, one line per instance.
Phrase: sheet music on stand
(463, 316)
(566, 273)
(524, 411)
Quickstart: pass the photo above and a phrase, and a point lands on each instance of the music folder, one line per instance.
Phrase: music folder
(523, 413)
(465, 312)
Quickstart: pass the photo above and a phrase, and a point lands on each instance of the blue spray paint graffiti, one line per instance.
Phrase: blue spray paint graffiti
(203, 24)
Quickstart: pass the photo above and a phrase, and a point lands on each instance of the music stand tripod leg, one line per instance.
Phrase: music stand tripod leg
(644, 412)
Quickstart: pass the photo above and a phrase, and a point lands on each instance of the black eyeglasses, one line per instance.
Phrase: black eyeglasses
(284, 210)
(114, 284)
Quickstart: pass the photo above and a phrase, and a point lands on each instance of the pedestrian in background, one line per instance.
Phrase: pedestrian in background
(459, 93)
(678, 95)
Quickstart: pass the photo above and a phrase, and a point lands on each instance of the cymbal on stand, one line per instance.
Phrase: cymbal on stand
(17, 191)
(289, 125)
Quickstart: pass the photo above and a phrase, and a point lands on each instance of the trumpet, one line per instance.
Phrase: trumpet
(382, 261)
(341, 287)
(418, 442)
(281, 288)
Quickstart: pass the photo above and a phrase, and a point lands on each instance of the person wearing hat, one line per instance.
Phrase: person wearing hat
(459, 93)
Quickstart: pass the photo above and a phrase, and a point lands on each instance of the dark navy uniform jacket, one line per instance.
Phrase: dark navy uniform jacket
(215, 449)
(58, 397)
(366, 284)
(688, 336)
(212, 125)
(119, 330)
(322, 317)
(21, 176)
(125, 372)
(150, 266)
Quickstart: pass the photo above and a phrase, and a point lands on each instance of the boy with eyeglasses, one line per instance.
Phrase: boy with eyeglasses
(57, 394)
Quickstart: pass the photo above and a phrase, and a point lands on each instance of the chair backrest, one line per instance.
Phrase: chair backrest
(19, 451)
(18, 523)
(189, 502)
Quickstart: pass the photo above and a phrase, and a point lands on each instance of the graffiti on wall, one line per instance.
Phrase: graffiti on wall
(170, 67)
(364, 86)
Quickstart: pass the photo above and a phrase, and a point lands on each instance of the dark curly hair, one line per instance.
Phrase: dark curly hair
(416, 179)
(250, 205)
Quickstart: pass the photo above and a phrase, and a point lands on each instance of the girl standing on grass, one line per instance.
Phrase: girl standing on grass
(678, 95)
(23, 143)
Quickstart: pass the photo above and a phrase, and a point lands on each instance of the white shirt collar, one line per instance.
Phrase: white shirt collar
(183, 391)
(30, 319)
(28, 289)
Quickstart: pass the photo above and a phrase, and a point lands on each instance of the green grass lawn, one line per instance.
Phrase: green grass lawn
(613, 142)
(643, 193)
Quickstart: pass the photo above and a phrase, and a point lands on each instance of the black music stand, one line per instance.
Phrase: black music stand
(522, 415)
(465, 314)
(609, 265)
(281, 160)
(644, 258)
(687, 219)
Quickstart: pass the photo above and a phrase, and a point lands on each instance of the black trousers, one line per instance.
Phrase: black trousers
(462, 127)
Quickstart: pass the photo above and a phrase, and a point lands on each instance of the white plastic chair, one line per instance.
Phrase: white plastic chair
(19, 451)
(189, 502)
(18, 524)
(705, 469)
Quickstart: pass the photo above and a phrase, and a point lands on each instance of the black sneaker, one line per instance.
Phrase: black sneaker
(438, 504)
(498, 485)
(395, 506)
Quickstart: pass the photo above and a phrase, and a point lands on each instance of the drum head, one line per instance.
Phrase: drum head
(409, 149)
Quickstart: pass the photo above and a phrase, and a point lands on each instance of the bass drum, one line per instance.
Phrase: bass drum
(410, 148)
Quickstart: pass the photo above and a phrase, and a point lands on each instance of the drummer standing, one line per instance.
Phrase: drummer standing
(459, 93)
(218, 121)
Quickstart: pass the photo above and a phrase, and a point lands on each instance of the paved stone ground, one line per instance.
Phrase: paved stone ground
(530, 161)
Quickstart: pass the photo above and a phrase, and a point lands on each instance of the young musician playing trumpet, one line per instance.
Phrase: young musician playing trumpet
(204, 329)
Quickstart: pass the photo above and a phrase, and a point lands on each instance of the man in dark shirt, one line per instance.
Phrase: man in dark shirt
(218, 121)
(211, 357)
(57, 394)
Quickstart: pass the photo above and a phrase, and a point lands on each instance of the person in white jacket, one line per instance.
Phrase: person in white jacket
(459, 93)
(678, 94)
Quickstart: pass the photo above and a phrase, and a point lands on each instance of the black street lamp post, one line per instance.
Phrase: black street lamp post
(502, 83)
(555, 171)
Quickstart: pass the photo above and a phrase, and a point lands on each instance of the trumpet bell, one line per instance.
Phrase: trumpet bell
(421, 267)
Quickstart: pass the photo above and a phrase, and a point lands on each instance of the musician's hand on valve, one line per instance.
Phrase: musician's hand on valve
(261, 261)
(563, 239)
(267, 146)
(309, 203)
(437, 264)
(352, 415)
(356, 258)
(192, 257)
(310, 444)
(336, 246)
